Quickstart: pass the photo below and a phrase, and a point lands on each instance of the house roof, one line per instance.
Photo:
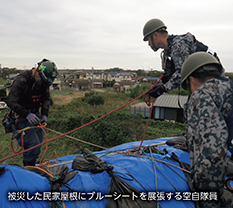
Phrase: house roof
(126, 83)
(79, 81)
(151, 78)
(142, 105)
(170, 101)
(137, 78)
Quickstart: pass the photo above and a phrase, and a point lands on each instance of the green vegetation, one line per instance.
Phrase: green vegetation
(114, 129)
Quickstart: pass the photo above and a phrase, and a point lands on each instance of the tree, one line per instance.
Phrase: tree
(95, 100)
(5, 72)
(139, 89)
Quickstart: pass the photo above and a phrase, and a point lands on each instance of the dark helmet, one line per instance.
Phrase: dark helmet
(47, 71)
(151, 26)
(197, 60)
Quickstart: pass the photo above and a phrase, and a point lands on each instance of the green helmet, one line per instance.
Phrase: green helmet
(152, 26)
(197, 60)
(47, 71)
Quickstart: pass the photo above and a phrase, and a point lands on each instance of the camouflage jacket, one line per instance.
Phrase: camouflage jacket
(207, 133)
(179, 48)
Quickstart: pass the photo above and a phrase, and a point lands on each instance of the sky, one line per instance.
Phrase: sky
(103, 34)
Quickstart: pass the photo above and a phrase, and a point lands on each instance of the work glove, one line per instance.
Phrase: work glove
(43, 119)
(33, 119)
(157, 91)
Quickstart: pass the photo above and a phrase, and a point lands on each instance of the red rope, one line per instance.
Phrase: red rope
(69, 132)
(150, 111)
(12, 148)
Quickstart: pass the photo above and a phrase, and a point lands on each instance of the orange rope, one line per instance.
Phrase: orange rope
(48, 163)
(12, 148)
(22, 140)
(41, 169)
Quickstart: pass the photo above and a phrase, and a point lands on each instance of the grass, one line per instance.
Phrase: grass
(59, 120)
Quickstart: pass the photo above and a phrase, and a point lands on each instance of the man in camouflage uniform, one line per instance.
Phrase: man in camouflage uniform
(208, 114)
(176, 49)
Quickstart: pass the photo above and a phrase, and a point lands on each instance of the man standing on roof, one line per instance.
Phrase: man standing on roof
(176, 49)
(209, 123)
(29, 92)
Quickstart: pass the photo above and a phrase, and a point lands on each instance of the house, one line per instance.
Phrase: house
(123, 76)
(94, 75)
(137, 79)
(169, 107)
(56, 85)
(150, 79)
(97, 83)
(166, 107)
(77, 84)
(122, 86)
(141, 108)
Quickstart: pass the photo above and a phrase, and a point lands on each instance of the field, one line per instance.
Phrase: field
(66, 97)
(70, 111)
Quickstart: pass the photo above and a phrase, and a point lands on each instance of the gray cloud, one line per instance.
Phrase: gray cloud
(104, 34)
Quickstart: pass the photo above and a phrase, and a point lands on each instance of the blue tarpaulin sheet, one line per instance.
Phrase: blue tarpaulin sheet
(23, 188)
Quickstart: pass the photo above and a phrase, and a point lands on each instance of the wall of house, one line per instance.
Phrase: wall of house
(170, 114)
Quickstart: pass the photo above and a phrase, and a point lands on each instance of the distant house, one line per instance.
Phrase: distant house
(137, 79)
(82, 75)
(169, 107)
(77, 84)
(122, 86)
(141, 108)
(166, 107)
(56, 85)
(150, 79)
(97, 83)
(123, 76)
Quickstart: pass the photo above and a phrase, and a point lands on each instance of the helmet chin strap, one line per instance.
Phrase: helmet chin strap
(154, 48)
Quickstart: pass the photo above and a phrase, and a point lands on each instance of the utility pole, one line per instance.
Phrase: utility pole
(92, 77)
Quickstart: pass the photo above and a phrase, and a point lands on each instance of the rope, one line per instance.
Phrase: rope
(89, 143)
(45, 142)
(150, 110)
(50, 175)
(12, 148)
(156, 182)
(146, 126)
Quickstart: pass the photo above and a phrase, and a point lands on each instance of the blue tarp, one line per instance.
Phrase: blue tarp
(20, 187)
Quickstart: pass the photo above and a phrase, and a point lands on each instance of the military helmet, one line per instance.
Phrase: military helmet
(197, 60)
(152, 26)
(47, 71)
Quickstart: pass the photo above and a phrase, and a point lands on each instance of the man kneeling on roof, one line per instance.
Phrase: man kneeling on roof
(209, 118)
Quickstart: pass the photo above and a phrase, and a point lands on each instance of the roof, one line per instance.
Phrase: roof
(151, 78)
(80, 81)
(126, 83)
(142, 104)
(137, 78)
(170, 101)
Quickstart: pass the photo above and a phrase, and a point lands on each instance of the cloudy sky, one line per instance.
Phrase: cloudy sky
(106, 33)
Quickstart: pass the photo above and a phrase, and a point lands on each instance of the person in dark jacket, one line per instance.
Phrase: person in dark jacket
(176, 49)
(30, 93)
